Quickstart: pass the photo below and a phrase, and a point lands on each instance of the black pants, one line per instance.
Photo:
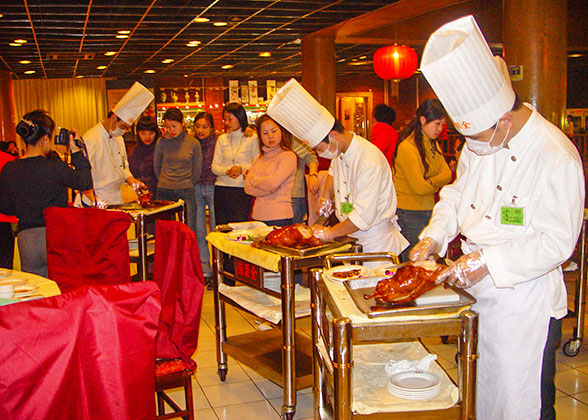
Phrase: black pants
(548, 370)
(231, 204)
(6, 245)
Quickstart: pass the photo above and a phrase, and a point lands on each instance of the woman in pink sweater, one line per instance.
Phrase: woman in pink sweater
(271, 176)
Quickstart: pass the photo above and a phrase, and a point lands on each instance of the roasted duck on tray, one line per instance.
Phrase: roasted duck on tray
(293, 236)
(410, 281)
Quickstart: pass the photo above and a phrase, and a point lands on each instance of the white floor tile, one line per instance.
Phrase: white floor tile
(303, 405)
(269, 389)
(260, 410)
(200, 401)
(582, 396)
(569, 408)
(571, 381)
(209, 375)
(230, 394)
(206, 414)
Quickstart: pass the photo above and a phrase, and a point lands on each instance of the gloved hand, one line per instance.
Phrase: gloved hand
(136, 185)
(325, 207)
(466, 271)
(424, 250)
(100, 203)
(323, 233)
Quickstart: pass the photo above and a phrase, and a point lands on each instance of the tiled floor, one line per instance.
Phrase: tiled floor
(247, 395)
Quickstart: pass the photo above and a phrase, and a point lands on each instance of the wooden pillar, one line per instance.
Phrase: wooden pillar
(7, 113)
(535, 36)
(318, 69)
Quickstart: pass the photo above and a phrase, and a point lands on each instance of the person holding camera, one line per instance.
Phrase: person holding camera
(31, 184)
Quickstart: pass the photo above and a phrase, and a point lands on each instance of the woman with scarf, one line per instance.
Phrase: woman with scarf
(141, 158)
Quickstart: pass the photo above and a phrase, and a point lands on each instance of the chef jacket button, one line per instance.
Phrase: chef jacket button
(488, 217)
(499, 188)
(513, 158)
(473, 207)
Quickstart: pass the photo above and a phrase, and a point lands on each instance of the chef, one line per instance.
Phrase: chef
(107, 152)
(359, 187)
(518, 199)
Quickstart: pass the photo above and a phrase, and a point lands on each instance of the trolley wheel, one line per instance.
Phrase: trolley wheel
(572, 348)
(288, 416)
(222, 374)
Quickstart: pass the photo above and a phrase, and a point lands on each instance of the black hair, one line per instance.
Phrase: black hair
(384, 113)
(239, 112)
(338, 127)
(110, 115)
(207, 116)
(147, 124)
(286, 143)
(34, 125)
(432, 110)
(174, 114)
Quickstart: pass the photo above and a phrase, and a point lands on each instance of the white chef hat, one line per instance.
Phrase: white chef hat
(472, 86)
(299, 113)
(133, 103)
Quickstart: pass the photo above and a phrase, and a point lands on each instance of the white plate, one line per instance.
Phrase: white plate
(341, 273)
(13, 281)
(5, 272)
(241, 236)
(246, 225)
(24, 290)
(385, 270)
(414, 381)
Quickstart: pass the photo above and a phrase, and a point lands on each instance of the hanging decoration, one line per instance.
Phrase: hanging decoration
(395, 62)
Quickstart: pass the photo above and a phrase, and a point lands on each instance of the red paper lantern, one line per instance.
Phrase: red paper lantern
(395, 62)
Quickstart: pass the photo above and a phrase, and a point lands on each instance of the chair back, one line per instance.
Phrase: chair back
(87, 246)
(84, 355)
(178, 273)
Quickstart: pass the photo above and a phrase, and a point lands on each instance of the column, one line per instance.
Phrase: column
(7, 115)
(535, 36)
(318, 69)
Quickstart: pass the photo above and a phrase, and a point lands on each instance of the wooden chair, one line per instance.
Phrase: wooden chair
(178, 272)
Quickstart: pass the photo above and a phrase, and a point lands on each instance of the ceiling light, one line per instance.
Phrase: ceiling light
(265, 54)
(123, 32)
(1, 15)
(20, 41)
(227, 66)
(79, 76)
(359, 63)
(185, 75)
(100, 67)
(200, 20)
(575, 55)
(220, 23)
(122, 36)
(30, 72)
(167, 61)
(24, 62)
(149, 71)
(14, 44)
(109, 53)
(363, 57)
(193, 43)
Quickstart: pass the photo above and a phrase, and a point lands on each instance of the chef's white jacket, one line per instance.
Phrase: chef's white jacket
(541, 173)
(110, 165)
(362, 177)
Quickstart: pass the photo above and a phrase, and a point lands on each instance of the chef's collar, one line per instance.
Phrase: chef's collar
(526, 131)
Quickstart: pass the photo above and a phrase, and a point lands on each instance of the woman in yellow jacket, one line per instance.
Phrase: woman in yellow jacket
(420, 170)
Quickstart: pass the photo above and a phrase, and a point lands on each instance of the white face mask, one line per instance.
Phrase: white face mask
(327, 154)
(117, 132)
(483, 148)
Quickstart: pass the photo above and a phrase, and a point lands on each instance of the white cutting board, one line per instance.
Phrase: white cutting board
(437, 295)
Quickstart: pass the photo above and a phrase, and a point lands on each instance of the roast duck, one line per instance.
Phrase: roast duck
(409, 282)
(293, 236)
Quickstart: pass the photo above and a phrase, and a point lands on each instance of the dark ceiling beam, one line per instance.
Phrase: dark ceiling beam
(35, 37)
(83, 36)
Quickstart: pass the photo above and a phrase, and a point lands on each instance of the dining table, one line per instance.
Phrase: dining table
(31, 286)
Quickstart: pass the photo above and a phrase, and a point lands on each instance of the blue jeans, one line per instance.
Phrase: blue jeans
(204, 197)
(412, 222)
(188, 196)
(299, 208)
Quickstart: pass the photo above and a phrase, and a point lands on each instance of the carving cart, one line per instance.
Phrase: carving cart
(351, 348)
(282, 355)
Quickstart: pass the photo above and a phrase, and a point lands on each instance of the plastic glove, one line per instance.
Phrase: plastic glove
(137, 185)
(466, 271)
(100, 203)
(424, 250)
(323, 233)
(326, 207)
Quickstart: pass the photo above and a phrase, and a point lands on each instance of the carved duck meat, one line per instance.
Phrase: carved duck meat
(293, 236)
(409, 282)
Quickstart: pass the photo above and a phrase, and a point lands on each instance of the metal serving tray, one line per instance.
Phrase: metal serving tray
(306, 252)
(357, 288)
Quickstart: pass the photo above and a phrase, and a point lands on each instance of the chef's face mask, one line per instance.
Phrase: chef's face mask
(327, 153)
(483, 148)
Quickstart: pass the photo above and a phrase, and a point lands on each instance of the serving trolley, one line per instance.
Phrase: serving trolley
(341, 334)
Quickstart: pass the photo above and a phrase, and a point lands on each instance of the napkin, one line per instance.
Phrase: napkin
(396, 366)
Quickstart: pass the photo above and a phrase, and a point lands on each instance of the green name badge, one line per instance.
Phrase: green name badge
(346, 207)
(512, 216)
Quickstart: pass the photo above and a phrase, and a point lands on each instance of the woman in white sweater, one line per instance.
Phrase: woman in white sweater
(233, 154)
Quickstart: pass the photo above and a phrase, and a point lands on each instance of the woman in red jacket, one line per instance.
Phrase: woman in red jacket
(384, 136)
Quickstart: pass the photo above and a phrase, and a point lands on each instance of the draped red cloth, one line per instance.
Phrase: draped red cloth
(178, 273)
(87, 246)
(85, 355)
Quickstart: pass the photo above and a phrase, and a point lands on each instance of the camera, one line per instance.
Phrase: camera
(62, 138)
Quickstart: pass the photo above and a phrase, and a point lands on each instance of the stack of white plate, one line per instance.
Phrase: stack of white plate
(414, 385)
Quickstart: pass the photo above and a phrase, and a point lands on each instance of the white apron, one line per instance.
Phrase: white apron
(383, 237)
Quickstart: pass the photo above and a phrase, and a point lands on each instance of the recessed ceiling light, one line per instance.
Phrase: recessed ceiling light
(1, 15)
(79, 76)
(200, 20)
(185, 75)
(109, 53)
(14, 44)
(167, 61)
(358, 63)
(149, 71)
(363, 57)
(30, 72)
(220, 23)
(122, 36)
(123, 32)
(24, 62)
(100, 67)
(575, 55)
(20, 41)
(193, 43)
(227, 66)
(265, 54)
